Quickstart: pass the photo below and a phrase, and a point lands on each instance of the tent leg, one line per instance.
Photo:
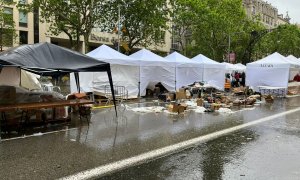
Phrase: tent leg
(139, 95)
(112, 88)
(76, 75)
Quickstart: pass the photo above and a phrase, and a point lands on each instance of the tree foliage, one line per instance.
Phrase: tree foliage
(285, 39)
(142, 22)
(75, 18)
(217, 27)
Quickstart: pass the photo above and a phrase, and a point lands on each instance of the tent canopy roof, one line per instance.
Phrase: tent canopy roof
(181, 60)
(109, 55)
(204, 60)
(240, 67)
(50, 59)
(207, 62)
(294, 59)
(229, 66)
(148, 58)
(274, 60)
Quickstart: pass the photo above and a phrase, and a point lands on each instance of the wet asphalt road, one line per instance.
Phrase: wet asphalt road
(265, 151)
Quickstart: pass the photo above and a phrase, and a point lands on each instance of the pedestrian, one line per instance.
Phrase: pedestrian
(237, 79)
(243, 77)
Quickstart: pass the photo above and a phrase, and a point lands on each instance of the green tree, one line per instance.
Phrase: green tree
(143, 22)
(182, 15)
(7, 25)
(75, 18)
(285, 39)
(222, 23)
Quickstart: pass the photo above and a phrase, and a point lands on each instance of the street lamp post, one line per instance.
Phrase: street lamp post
(119, 29)
(229, 44)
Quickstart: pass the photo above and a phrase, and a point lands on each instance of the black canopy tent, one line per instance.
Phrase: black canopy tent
(51, 60)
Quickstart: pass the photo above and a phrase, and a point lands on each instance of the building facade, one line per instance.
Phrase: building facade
(265, 12)
(30, 30)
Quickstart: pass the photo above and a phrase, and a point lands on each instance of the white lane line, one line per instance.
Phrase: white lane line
(37, 135)
(142, 158)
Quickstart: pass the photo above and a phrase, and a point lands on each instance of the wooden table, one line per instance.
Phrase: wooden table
(24, 107)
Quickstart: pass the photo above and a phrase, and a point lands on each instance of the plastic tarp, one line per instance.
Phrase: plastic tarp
(274, 70)
(30, 81)
(187, 71)
(125, 72)
(155, 69)
(213, 72)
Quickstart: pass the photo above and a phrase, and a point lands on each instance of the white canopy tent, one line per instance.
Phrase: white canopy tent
(213, 72)
(294, 59)
(187, 71)
(125, 72)
(154, 69)
(240, 67)
(229, 67)
(274, 70)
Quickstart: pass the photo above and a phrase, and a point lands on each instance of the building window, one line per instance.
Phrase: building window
(8, 15)
(23, 37)
(8, 1)
(22, 1)
(6, 37)
(22, 19)
(36, 27)
(253, 10)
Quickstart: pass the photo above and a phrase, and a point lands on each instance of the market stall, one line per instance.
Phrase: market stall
(274, 70)
(213, 72)
(154, 69)
(187, 71)
(51, 60)
(125, 72)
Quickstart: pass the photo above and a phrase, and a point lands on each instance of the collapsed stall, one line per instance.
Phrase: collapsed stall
(213, 72)
(50, 60)
(274, 70)
(125, 72)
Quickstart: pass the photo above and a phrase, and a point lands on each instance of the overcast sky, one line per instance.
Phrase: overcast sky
(292, 6)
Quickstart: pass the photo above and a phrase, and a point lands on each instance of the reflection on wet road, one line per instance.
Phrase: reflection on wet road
(266, 151)
(109, 139)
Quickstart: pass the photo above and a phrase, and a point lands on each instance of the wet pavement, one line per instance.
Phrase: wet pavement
(265, 151)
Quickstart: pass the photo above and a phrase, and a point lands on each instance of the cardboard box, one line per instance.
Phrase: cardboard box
(171, 96)
(181, 90)
(173, 108)
(180, 95)
(215, 106)
(182, 108)
(200, 102)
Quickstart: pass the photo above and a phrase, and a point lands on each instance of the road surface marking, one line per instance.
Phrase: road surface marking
(38, 134)
(154, 154)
